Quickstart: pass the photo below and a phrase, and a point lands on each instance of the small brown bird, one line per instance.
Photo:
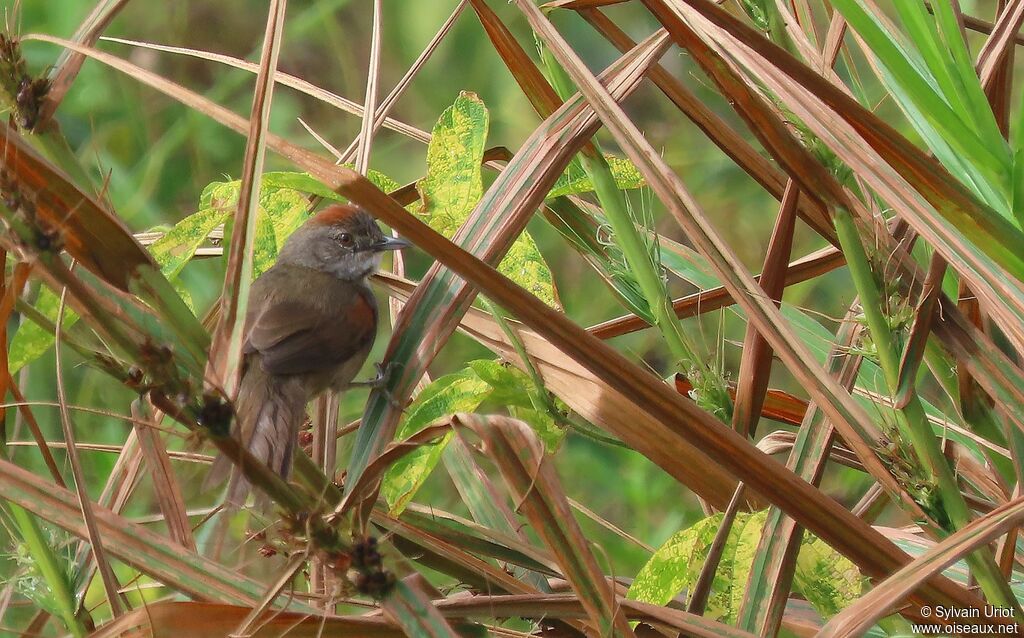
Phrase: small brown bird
(311, 322)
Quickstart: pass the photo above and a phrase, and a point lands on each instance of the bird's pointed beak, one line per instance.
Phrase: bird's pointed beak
(391, 243)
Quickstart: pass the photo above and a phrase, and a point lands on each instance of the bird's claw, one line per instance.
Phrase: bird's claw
(380, 383)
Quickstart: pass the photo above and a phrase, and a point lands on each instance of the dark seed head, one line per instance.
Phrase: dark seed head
(216, 414)
(365, 555)
(29, 99)
(376, 584)
(43, 241)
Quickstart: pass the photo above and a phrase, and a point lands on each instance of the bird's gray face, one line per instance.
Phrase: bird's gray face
(347, 244)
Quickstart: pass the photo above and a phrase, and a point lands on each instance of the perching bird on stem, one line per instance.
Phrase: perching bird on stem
(311, 322)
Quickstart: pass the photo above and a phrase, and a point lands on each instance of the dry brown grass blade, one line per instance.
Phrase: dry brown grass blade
(1000, 43)
(389, 102)
(917, 339)
(987, 365)
(225, 363)
(70, 63)
(489, 231)
(770, 581)
(717, 130)
(596, 400)
(980, 26)
(123, 479)
(370, 100)
(165, 485)
(168, 619)
(92, 235)
(117, 449)
(11, 290)
(514, 448)
(257, 616)
(934, 203)
(803, 269)
(873, 551)
(37, 433)
(1006, 547)
(702, 587)
(526, 74)
(678, 419)
(96, 540)
(999, 90)
(284, 79)
(6, 307)
(977, 477)
(172, 565)
(468, 568)
(324, 453)
(850, 418)
(568, 606)
(889, 594)
(834, 39)
(756, 362)
(782, 441)
(580, 4)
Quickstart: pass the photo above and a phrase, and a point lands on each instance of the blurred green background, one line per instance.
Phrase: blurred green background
(158, 156)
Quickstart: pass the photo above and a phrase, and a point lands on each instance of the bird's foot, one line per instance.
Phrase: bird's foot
(380, 383)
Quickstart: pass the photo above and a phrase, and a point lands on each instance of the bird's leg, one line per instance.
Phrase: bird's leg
(376, 383)
(380, 382)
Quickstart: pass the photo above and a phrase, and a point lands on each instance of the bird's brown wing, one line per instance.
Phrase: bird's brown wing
(295, 336)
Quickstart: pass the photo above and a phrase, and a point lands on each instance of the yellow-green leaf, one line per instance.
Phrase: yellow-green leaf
(459, 392)
(264, 249)
(744, 536)
(453, 185)
(31, 340)
(306, 183)
(179, 244)
(826, 578)
(575, 180)
(514, 389)
(676, 564)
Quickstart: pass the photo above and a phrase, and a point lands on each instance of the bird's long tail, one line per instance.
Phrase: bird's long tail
(269, 412)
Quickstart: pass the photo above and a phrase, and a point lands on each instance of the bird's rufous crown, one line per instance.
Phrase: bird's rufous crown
(335, 214)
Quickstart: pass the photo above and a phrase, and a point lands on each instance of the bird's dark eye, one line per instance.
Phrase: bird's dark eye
(345, 239)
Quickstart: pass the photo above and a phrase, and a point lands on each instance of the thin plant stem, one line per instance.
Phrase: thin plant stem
(644, 265)
(912, 419)
(46, 562)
